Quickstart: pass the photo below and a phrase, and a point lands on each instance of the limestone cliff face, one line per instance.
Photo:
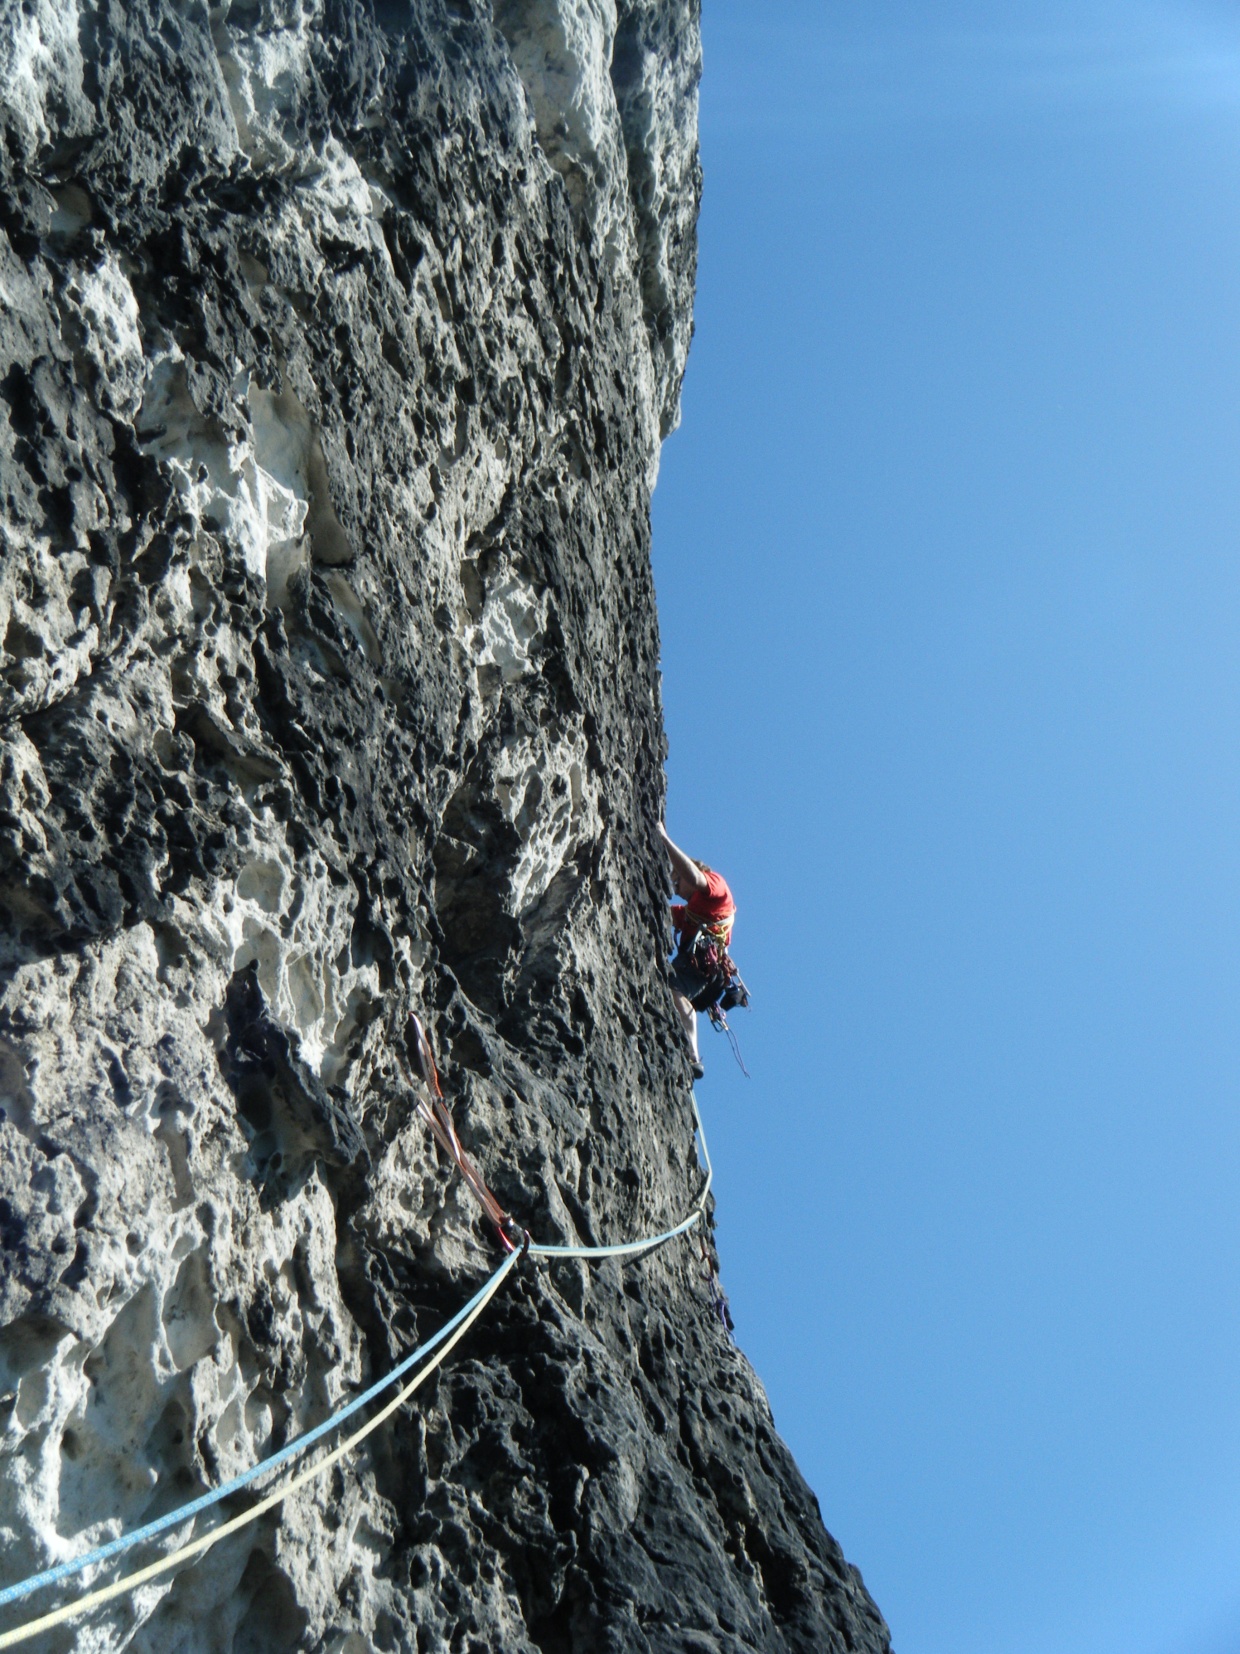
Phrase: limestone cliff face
(337, 339)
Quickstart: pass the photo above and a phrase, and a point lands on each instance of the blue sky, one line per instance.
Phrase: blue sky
(948, 557)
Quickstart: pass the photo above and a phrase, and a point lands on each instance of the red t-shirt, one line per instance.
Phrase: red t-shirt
(711, 906)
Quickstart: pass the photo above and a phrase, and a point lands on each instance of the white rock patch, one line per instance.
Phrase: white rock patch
(295, 922)
(550, 794)
(514, 617)
(265, 498)
(108, 313)
(265, 74)
(562, 50)
(40, 64)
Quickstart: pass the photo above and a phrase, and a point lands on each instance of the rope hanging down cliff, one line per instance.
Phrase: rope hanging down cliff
(441, 1342)
(435, 1113)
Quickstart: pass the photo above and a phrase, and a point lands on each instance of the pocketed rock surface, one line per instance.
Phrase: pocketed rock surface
(337, 341)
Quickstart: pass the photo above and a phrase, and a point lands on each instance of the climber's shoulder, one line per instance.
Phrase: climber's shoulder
(715, 901)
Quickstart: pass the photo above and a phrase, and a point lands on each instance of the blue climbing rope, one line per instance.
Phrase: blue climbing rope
(184, 1513)
(174, 1518)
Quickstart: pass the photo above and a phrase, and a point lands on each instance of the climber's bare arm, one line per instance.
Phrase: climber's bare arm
(686, 868)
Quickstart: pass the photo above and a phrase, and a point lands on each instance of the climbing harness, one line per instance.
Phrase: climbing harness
(722, 985)
(706, 949)
(440, 1343)
(718, 931)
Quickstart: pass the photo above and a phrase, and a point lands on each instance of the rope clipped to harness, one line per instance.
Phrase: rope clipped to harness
(437, 1116)
(721, 1025)
(734, 993)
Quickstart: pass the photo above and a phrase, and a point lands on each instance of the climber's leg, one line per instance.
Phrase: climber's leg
(686, 980)
(688, 1020)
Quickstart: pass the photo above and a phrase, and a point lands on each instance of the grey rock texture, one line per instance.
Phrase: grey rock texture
(337, 339)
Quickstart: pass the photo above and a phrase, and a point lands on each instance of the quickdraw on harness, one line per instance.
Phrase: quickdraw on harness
(437, 1116)
(722, 988)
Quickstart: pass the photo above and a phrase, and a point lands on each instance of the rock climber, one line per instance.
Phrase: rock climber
(703, 928)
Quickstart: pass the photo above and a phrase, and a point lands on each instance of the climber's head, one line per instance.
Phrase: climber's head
(685, 886)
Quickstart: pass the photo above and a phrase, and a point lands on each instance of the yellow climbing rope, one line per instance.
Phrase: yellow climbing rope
(441, 1123)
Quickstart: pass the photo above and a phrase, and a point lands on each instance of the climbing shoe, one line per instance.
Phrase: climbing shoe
(697, 1069)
